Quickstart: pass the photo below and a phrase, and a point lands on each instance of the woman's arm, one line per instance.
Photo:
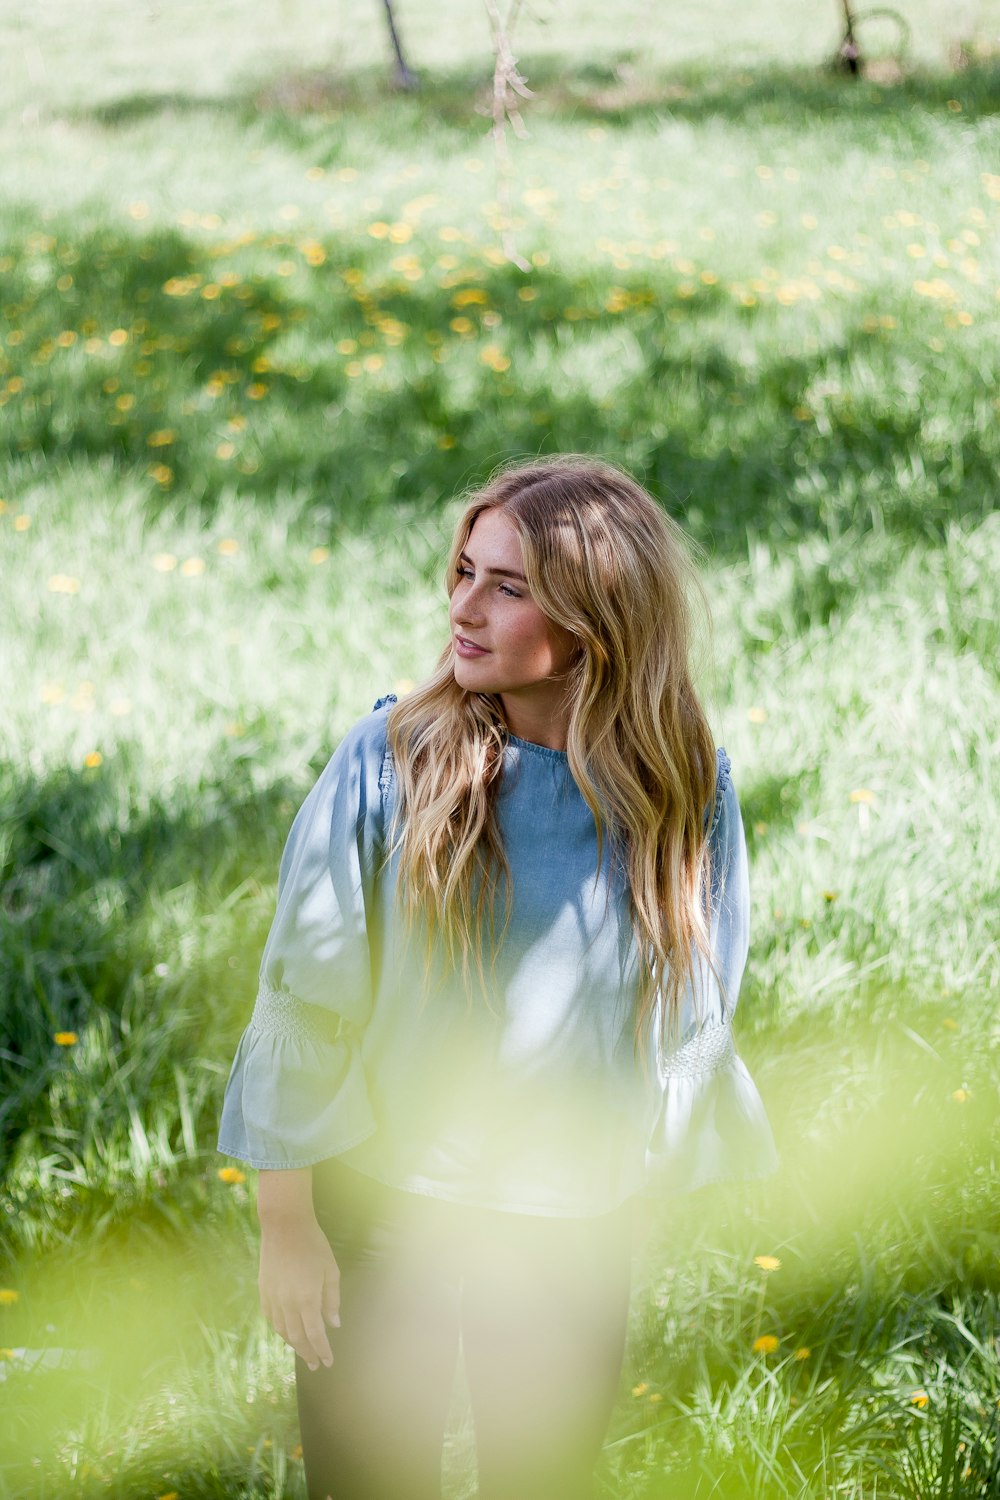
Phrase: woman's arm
(299, 1279)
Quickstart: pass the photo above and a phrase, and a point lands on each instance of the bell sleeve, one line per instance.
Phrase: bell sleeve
(710, 1122)
(296, 1092)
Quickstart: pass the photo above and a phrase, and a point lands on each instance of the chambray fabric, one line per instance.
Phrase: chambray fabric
(528, 1097)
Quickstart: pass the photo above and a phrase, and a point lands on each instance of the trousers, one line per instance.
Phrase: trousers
(538, 1306)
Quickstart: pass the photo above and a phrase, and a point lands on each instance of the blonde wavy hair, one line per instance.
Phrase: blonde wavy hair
(605, 561)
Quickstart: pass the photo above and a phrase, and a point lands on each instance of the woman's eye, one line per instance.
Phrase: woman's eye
(505, 588)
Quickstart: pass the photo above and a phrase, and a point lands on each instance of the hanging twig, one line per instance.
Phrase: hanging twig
(850, 51)
(405, 76)
(508, 87)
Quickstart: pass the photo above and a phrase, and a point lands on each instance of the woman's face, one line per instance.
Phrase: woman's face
(523, 655)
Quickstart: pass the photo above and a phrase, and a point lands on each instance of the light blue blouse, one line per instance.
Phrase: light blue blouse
(534, 1102)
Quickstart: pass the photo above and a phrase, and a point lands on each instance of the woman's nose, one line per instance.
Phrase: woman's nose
(467, 608)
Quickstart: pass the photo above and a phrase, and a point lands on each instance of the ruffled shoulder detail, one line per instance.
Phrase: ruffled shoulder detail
(386, 771)
(723, 776)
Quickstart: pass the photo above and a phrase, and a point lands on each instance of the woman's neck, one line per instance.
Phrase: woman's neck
(541, 718)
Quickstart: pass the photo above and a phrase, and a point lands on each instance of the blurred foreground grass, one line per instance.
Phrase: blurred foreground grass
(258, 332)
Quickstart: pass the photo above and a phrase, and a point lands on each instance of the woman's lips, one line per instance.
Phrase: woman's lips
(468, 648)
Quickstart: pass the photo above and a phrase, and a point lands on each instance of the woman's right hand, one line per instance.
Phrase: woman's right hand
(299, 1279)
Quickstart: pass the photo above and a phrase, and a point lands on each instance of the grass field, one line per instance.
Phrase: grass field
(259, 331)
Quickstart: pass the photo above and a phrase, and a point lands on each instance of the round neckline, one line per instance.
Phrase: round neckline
(514, 739)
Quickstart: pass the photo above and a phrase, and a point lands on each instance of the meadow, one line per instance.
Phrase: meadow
(259, 333)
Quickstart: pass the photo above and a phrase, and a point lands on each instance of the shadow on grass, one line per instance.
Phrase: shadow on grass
(350, 386)
(96, 897)
(619, 91)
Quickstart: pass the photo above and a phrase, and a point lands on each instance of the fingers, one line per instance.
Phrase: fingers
(307, 1336)
(303, 1327)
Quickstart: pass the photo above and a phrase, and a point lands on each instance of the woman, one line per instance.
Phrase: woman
(495, 1005)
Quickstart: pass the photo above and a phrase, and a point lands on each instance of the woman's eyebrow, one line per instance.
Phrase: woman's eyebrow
(494, 572)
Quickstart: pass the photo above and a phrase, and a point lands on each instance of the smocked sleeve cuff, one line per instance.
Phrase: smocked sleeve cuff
(296, 1092)
(711, 1124)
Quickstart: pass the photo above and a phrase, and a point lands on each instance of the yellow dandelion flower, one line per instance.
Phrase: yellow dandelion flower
(319, 555)
(52, 692)
(446, 441)
(285, 268)
(164, 562)
(257, 391)
(21, 523)
(469, 297)
(347, 174)
(117, 337)
(757, 715)
(228, 546)
(353, 369)
(347, 346)
(211, 291)
(767, 1262)
(766, 1344)
(231, 1174)
(830, 895)
(93, 759)
(494, 357)
(162, 438)
(949, 1023)
(225, 450)
(862, 794)
(162, 473)
(62, 583)
(296, 1452)
(373, 362)
(65, 1038)
(462, 325)
(920, 1399)
(6, 1354)
(124, 403)
(656, 1396)
(960, 1096)
(66, 339)
(640, 1389)
(191, 567)
(802, 1353)
(120, 707)
(379, 230)
(8, 1296)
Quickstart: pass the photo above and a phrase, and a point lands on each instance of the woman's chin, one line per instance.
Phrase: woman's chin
(473, 676)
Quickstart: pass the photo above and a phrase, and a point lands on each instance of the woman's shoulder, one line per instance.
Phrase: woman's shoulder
(723, 783)
(362, 757)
